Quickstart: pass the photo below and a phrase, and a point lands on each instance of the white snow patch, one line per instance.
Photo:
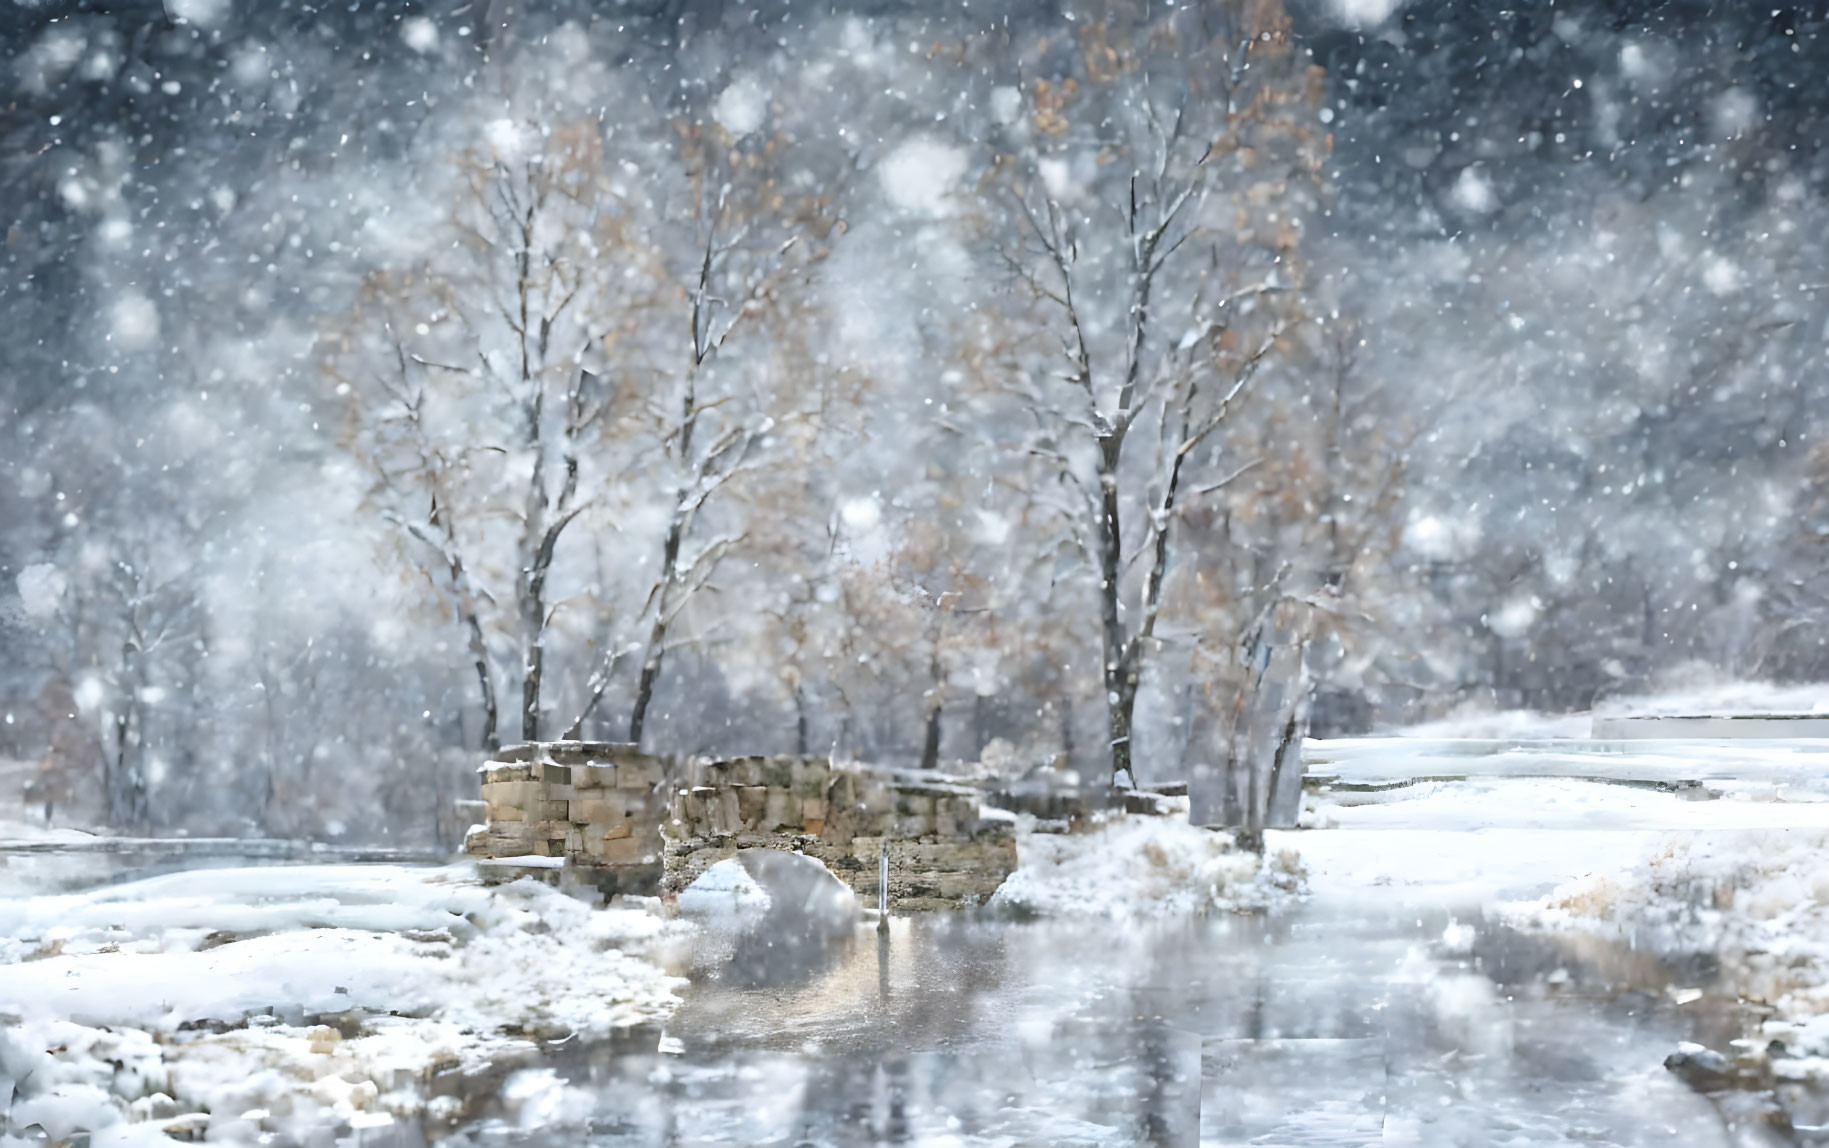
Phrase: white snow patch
(207, 13)
(90, 693)
(1515, 618)
(1635, 63)
(41, 589)
(1721, 275)
(420, 34)
(860, 515)
(742, 107)
(1362, 13)
(1735, 112)
(505, 138)
(1006, 104)
(1057, 177)
(1439, 538)
(919, 175)
(991, 528)
(1474, 192)
(1137, 867)
(133, 322)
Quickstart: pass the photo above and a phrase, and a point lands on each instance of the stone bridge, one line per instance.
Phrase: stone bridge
(631, 822)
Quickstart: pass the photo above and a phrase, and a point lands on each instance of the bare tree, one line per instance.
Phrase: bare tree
(1190, 388)
(748, 255)
(474, 405)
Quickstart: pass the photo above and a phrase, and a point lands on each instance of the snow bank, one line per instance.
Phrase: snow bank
(1134, 867)
(249, 1001)
(1757, 901)
(1724, 697)
(1688, 692)
(1479, 721)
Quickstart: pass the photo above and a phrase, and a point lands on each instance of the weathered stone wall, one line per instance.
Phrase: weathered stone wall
(943, 851)
(630, 822)
(599, 806)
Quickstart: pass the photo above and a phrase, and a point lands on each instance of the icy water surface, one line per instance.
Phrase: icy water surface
(1314, 1028)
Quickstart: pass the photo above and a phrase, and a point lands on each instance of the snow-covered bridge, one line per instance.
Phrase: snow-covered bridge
(632, 822)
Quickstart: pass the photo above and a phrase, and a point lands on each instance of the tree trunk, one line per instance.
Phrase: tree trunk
(530, 581)
(479, 652)
(936, 703)
(530, 690)
(657, 633)
(1119, 677)
(126, 788)
(1289, 745)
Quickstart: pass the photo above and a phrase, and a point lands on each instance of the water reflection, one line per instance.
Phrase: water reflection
(771, 920)
(1305, 1029)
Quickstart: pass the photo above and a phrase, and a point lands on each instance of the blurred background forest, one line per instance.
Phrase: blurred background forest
(383, 381)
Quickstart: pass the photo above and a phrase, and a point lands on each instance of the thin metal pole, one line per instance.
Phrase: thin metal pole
(882, 889)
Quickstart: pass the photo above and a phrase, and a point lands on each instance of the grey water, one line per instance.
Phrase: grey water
(1313, 1027)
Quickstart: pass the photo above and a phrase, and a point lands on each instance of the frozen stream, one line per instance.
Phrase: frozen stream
(1320, 1027)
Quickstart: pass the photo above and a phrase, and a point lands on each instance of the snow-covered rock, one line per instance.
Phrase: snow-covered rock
(202, 992)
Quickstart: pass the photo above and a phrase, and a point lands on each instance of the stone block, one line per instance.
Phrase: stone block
(841, 789)
(875, 800)
(595, 775)
(555, 810)
(644, 773)
(498, 772)
(519, 794)
(867, 850)
(728, 818)
(506, 813)
(912, 826)
(553, 772)
(776, 772)
(781, 809)
(626, 850)
(811, 776)
(476, 840)
(740, 771)
(752, 806)
(498, 846)
(597, 811)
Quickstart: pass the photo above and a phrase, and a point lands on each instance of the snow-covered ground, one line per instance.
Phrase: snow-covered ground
(287, 999)
(299, 1001)
(1703, 695)
(1724, 887)
(1140, 867)
(1755, 902)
